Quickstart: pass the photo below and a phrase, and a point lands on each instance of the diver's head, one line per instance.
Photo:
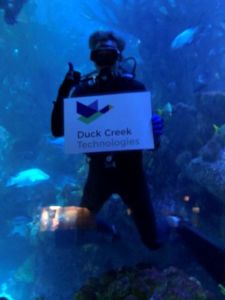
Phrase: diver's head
(106, 49)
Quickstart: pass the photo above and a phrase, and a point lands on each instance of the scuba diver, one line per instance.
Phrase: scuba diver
(119, 172)
(11, 9)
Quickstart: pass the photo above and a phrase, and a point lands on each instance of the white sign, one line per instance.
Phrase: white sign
(114, 122)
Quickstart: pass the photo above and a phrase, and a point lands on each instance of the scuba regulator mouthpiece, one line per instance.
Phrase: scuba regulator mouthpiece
(105, 56)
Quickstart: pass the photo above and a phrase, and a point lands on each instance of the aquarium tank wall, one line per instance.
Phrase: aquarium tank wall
(54, 244)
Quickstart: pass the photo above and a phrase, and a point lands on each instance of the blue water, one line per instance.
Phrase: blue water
(185, 72)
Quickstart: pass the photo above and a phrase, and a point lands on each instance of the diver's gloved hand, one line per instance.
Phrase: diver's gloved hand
(71, 79)
(157, 127)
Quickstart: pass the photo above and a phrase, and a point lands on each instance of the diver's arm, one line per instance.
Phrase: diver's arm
(157, 126)
(57, 118)
(71, 80)
(135, 85)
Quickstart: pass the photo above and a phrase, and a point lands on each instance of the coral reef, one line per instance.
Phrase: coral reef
(211, 105)
(143, 283)
(210, 175)
(207, 168)
(25, 272)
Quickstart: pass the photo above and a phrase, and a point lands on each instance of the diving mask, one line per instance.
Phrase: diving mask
(105, 56)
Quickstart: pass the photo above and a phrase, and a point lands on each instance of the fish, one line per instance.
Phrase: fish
(219, 129)
(222, 25)
(172, 3)
(163, 10)
(184, 38)
(201, 83)
(173, 221)
(58, 142)
(28, 177)
(20, 226)
(167, 109)
(222, 289)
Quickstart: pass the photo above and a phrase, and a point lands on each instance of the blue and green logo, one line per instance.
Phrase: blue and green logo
(90, 113)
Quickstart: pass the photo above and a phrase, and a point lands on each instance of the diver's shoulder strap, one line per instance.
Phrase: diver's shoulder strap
(83, 85)
(72, 91)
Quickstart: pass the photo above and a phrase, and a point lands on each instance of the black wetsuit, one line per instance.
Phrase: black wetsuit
(125, 175)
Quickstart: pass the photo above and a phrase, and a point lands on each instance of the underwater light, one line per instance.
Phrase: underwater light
(65, 217)
(196, 209)
(3, 294)
(186, 198)
(129, 211)
(6, 296)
